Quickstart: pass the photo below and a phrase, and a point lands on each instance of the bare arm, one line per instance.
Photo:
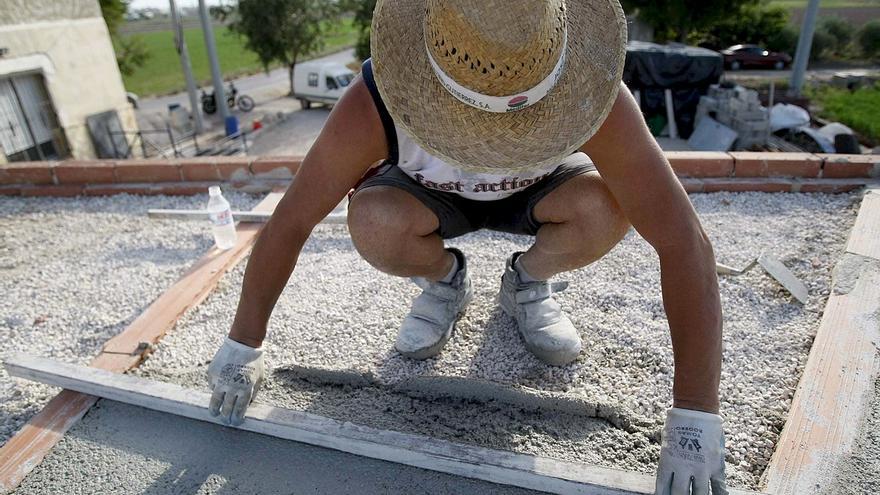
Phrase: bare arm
(642, 181)
(351, 141)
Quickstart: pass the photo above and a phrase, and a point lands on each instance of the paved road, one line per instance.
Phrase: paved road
(261, 87)
(814, 74)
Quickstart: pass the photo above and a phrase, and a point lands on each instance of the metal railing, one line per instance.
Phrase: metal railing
(177, 146)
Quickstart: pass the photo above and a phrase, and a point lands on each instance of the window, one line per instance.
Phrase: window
(331, 83)
(313, 79)
(344, 80)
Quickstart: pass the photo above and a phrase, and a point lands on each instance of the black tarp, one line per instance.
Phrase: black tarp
(686, 70)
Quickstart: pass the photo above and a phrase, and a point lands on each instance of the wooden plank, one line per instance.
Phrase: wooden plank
(27, 448)
(838, 380)
(508, 468)
(865, 234)
(784, 276)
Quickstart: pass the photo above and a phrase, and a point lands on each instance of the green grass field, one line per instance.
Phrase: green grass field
(162, 73)
(858, 110)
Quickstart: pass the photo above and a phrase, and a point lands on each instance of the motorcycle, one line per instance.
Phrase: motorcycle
(244, 102)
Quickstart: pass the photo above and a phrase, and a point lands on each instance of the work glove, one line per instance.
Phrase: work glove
(691, 454)
(235, 376)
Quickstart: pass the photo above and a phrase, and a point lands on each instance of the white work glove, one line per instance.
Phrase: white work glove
(235, 375)
(691, 452)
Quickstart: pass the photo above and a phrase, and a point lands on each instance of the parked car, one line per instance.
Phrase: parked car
(754, 57)
(320, 82)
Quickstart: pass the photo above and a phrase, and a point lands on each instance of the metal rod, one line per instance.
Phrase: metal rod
(805, 44)
(180, 43)
(216, 75)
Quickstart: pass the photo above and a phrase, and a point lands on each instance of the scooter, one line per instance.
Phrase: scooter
(209, 102)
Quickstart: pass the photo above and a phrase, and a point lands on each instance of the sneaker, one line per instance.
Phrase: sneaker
(429, 324)
(546, 331)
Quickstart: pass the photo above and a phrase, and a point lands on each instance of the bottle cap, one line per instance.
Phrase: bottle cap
(214, 191)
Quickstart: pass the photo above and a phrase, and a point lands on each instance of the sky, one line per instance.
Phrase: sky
(163, 4)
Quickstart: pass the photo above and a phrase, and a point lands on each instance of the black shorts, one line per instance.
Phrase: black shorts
(459, 216)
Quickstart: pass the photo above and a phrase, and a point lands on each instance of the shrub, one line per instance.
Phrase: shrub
(823, 43)
(785, 40)
(869, 38)
(754, 23)
(839, 30)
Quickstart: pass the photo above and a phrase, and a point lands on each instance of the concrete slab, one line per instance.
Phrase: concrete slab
(124, 449)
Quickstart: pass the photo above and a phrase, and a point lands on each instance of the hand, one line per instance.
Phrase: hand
(692, 451)
(235, 375)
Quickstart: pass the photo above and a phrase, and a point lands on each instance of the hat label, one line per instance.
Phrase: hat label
(501, 104)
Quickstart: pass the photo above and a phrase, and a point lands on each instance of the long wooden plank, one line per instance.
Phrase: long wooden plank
(538, 473)
(865, 238)
(26, 449)
(838, 379)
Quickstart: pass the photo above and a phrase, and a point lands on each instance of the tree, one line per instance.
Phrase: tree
(869, 38)
(753, 23)
(284, 30)
(131, 52)
(676, 20)
(839, 30)
(363, 20)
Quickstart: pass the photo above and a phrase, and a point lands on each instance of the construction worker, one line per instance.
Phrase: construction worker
(507, 115)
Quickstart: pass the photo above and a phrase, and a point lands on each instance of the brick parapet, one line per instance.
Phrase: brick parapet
(698, 171)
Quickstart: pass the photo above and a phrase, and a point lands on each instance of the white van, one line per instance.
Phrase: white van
(320, 82)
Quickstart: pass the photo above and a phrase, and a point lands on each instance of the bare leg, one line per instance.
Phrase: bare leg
(395, 233)
(582, 223)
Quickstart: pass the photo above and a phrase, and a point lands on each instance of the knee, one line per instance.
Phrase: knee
(598, 219)
(378, 223)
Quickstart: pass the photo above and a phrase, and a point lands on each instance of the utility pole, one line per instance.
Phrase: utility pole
(180, 43)
(805, 44)
(216, 76)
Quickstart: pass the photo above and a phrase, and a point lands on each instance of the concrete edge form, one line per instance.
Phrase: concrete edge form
(539, 473)
(27, 448)
(836, 387)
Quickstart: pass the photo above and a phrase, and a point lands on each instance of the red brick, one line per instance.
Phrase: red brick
(831, 186)
(199, 169)
(27, 173)
(85, 172)
(692, 185)
(751, 164)
(10, 191)
(740, 185)
(700, 164)
(276, 166)
(129, 171)
(64, 190)
(850, 166)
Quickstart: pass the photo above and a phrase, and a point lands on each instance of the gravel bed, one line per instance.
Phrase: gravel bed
(338, 313)
(74, 272)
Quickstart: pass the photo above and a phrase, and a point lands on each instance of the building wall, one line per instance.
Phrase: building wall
(67, 42)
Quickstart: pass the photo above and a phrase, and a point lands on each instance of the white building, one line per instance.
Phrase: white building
(57, 69)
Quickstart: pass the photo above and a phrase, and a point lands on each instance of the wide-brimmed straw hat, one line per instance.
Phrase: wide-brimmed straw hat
(490, 85)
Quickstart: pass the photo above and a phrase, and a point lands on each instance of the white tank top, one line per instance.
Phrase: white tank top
(434, 173)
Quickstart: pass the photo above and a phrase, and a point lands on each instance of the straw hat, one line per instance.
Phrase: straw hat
(491, 85)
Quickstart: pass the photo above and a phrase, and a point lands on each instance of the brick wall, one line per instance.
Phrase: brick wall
(698, 172)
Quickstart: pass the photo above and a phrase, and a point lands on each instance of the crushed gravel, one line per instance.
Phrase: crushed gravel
(339, 314)
(74, 272)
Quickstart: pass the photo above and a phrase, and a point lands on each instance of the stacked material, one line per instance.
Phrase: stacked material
(739, 109)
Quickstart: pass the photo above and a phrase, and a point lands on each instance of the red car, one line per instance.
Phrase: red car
(754, 57)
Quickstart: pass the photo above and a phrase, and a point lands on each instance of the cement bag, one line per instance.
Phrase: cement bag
(785, 116)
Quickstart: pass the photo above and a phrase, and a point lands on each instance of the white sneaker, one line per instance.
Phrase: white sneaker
(430, 322)
(546, 331)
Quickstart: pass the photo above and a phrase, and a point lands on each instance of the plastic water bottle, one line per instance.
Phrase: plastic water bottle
(222, 223)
